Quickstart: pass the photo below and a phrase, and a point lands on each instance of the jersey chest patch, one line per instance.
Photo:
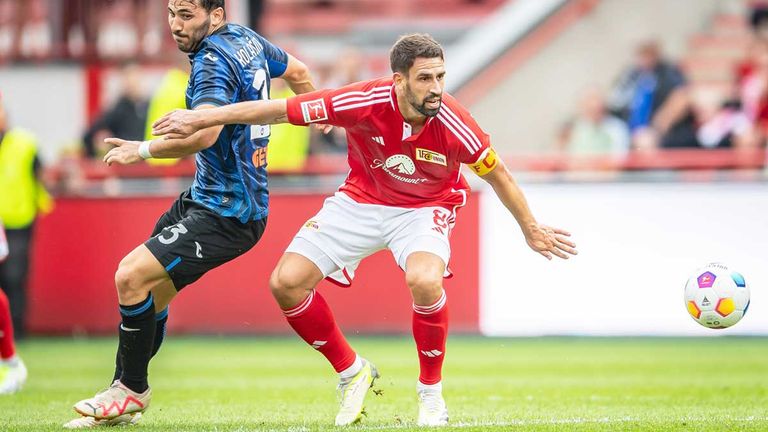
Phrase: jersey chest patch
(431, 157)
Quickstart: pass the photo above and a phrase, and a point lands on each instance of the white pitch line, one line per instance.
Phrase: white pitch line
(539, 422)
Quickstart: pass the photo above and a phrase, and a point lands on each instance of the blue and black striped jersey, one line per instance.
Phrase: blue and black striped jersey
(234, 64)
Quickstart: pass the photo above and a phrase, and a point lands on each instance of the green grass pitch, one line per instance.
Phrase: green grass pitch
(540, 384)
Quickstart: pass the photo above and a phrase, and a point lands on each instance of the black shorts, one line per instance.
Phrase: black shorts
(190, 239)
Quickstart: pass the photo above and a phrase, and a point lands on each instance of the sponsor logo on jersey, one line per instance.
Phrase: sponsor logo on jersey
(260, 157)
(211, 57)
(398, 167)
(314, 111)
(312, 225)
(430, 156)
(378, 140)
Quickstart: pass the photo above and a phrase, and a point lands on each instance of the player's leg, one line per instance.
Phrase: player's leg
(424, 277)
(189, 240)
(292, 284)
(421, 247)
(330, 245)
(136, 277)
(13, 275)
(165, 291)
(162, 295)
(13, 373)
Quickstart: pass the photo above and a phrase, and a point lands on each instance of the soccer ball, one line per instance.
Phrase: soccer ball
(716, 297)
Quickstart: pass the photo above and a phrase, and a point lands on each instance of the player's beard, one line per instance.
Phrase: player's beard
(421, 106)
(195, 38)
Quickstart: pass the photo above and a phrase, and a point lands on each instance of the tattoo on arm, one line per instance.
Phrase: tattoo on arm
(282, 119)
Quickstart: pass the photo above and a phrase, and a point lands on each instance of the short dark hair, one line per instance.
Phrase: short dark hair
(411, 46)
(210, 5)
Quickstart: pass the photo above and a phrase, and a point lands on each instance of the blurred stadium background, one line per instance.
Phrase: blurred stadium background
(554, 82)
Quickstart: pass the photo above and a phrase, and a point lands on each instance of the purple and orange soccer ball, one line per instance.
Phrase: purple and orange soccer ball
(716, 296)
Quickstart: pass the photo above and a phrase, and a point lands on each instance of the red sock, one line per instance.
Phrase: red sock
(430, 330)
(7, 350)
(313, 321)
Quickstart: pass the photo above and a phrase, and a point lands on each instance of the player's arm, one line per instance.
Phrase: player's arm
(297, 76)
(541, 238)
(128, 152)
(317, 107)
(186, 123)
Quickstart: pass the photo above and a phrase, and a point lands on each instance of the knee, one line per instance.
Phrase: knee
(283, 283)
(128, 280)
(425, 286)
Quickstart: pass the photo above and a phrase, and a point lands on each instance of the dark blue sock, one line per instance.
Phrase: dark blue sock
(137, 337)
(161, 319)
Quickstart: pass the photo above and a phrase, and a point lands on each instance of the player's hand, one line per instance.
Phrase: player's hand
(324, 128)
(550, 241)
(177, 124)
(124, 153)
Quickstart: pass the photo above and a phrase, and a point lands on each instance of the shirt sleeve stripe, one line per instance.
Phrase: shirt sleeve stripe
(461, 138)
(463, 126)
(359, 93)
(362, 104)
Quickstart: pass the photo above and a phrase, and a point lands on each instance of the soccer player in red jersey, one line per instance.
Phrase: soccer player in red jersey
(13, 373)
(407, 141)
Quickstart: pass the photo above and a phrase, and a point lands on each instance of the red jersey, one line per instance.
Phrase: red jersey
(390, 165)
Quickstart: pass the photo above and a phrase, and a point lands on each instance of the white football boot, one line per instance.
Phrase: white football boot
(114, 402)
(432, 409)
(12, 376)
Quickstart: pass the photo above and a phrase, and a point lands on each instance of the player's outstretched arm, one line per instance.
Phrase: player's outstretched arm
(128, 152)
(183, 123)
(543, 239)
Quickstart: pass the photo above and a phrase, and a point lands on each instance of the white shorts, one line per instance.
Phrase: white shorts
(344, 232)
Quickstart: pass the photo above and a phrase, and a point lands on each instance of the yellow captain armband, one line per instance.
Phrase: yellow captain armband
(487, 162)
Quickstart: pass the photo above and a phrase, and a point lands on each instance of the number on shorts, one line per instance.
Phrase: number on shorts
(176, 230)
(440, 219)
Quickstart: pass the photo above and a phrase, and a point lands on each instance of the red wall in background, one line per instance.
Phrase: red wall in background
(78, 246)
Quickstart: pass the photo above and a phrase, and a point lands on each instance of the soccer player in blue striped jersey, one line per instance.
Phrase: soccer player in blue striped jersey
(219, 218)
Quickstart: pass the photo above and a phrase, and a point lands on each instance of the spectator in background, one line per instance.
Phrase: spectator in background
(349, 68)
(126, 119)
(22, 197)
(170, 95)
(36, 35)
(724, 125)
(255, 12)
(758, 17)
(595, 132)
(118, 35)
(753, 89)
(7, 29)
(653, 99)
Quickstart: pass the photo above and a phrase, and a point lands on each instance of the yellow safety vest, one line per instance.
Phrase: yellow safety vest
(171, 95)
(21, 194)
(288, 144)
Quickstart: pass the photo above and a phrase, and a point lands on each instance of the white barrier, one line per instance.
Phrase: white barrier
(638, 242)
